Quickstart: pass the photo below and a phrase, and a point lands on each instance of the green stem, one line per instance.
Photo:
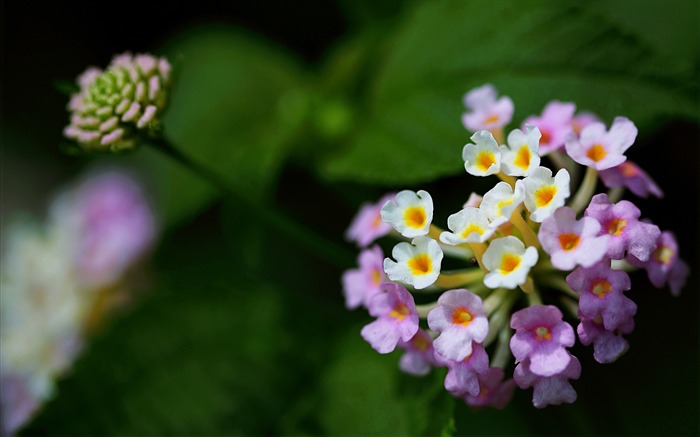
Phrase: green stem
(585, 191)
(323, 247)
(423, 310)
(502, 355)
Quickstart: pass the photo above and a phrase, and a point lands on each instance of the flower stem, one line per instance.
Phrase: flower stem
(502, 354)
(423, 310)
(323, 247)
(459, 278)
(526, 231)
(478, 249)
(615, 194)
(585, 191)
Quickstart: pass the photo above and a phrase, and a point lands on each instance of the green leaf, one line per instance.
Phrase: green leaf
(532, 51)
(236, 103)
(364, 393)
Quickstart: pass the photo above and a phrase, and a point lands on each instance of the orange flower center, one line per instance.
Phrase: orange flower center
(596, 152)
(509, 263)
(399, 312)
(421, 343)
(522, 158)
(461, 316)
(493, 118)
(601, 287)
(485, 160)
(616, 226)
(415, 217)
(628, 169)
(420, 264)
(546, 137)
(544, 195)
(569, 241)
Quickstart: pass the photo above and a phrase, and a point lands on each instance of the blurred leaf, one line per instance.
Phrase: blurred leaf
(532, 51)
(235, 105)
(366, 394)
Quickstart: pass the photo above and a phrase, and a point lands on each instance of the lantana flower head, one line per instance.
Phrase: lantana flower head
(362, 284)
(486, 112)
(114, 107)
(483, 157)
(368, 225)
(555, 124)
(544, 193)
(419, 357)
(460, 319)
(468, 225)
(508, 262)
(396, 315)
(410, 213)
(521, 156)
(600, 148)
(572, 242)
(417, 263)
(501, 201)
(601, 294)
(664, 265)
(541, 337)
(630, 176)
(620, 221)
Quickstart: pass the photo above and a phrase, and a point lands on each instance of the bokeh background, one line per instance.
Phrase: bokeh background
(314, 107)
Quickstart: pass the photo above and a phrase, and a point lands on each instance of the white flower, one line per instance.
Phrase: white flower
(544, 193)
(410, 213)
(470, 225)
(417, 264)
(483, 157)
(500, 202)
(521, 156)
(508, 262)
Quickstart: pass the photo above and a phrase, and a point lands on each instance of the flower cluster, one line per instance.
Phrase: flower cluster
(59, 279)
(115, 106)
(529, 245)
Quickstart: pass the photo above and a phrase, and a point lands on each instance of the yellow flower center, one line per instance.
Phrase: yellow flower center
(601, 287)
(596, 152)
(569, 241)
(421, 343)
(543, 333)
(509, 262)
(493, 118)
(522, 158)
(544, 195)
(461, 316)
(502, 204)
(616, 226)
(485, 160)
(376, 276)
(663, 254)
(399, 312)
(472, 228)
(415, 217)
(420, 264)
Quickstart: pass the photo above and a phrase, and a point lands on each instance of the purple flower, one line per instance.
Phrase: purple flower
(419, 357)
(460, 320)
(552, 390)
(463, 375)
(18, 403)
(582, 120)
(111, 214)
(608, 345)
(570, 241)
(554, 124)
(361, 285)
(396, 315)
(664, 265)
(601, 294)
(485, 111)
(541, 338)
(494, 392)
(629, 175)
(599, 148)
(367, 225)
(621, 222)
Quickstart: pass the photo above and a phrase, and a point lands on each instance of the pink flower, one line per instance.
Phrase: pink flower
(460, 320)
(582, 120)
(541, 338)
(112, 215)
(620, 221)
(601, 294)
(463, 375)
(629, 175)
(367, 225)
(664, 265)
(551, 390)
(419, 357)
(397, 318)
(554, 124)
(494, 392)
(572, 242)
(608, 345)
(361, 285)
(599, 148)
(485, 111)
